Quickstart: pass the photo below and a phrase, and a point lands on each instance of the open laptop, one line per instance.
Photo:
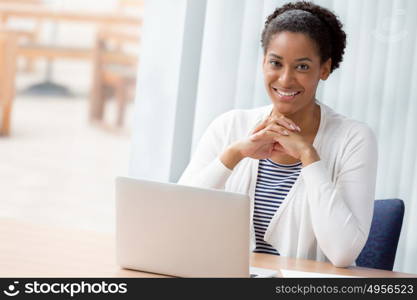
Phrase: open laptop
(182, 231)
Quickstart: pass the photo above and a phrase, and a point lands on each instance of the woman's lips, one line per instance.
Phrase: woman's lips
(286, 96)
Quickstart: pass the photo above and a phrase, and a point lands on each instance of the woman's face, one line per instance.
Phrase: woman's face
(292, 71)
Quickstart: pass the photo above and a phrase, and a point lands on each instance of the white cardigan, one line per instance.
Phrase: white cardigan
(328, 212)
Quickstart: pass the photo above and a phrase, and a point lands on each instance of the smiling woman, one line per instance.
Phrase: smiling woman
(310, 172)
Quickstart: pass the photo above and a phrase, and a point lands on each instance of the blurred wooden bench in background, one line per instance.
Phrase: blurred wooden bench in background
(8, 46)
(36, 12)
(114, 69)
(114, 74)
(114, 66)
(27, 35)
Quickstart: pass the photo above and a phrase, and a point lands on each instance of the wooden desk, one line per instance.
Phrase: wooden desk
(28, 250)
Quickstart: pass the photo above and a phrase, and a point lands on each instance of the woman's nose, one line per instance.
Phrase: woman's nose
(286, 78)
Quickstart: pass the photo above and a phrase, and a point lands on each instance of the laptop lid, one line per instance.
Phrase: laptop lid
(182, 231)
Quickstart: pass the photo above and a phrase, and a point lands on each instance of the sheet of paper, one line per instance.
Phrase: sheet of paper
(262, 273)
(299, 274)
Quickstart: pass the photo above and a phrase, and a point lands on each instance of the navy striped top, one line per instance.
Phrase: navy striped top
(272, 186)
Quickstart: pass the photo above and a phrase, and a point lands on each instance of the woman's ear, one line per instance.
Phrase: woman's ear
(325, 69)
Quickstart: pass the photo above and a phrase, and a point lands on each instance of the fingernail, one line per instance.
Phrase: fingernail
(285, 132)
(299, 129)
(292, 127)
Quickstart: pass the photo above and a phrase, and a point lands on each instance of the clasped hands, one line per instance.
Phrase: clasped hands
(273, 135)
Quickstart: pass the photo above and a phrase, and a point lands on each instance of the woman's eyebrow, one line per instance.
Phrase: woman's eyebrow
(298, 59)
(275, 56)
(303, 58)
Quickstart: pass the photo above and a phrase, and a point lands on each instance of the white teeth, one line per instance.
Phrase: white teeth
(287, 94)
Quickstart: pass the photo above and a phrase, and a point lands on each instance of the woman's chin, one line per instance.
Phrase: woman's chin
(283, 108)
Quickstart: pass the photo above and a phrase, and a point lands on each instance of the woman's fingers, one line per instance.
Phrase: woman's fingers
(284, 121)
(278, 129)
(281, 121)
(270, 133)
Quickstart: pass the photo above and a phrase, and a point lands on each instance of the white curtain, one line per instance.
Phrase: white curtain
(376, 83)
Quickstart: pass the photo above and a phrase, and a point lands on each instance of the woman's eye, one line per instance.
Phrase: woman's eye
(275, 63)
(303, 67)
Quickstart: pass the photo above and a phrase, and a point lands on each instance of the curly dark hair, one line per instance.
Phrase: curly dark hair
(319, 23)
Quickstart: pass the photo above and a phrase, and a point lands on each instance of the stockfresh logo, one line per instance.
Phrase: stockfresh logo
(12, 290)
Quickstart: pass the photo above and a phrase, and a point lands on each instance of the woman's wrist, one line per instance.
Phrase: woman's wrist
(309, 156)
(231, 156)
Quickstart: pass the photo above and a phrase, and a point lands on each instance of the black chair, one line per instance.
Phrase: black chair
(381, 246)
